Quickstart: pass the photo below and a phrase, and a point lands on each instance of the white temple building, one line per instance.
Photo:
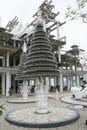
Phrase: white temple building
(11, 41)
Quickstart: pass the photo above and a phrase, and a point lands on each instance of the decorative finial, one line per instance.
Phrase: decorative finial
(41, 19)
(39, 16)
(24, 47)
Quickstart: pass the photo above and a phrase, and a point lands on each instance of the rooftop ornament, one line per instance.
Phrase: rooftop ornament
(24, 47)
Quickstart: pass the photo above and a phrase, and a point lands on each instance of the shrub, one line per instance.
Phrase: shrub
(1, 109)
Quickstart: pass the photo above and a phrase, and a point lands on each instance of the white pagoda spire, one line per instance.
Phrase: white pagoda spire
(24, 47)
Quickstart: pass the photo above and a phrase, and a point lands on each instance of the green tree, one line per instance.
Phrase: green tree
(1, 109)
(79, 11)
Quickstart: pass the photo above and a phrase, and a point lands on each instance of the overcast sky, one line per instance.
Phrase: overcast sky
(75, 31)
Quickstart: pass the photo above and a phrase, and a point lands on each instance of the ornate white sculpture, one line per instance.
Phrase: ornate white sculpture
(82, 93)
(76, 89)
(25, 90)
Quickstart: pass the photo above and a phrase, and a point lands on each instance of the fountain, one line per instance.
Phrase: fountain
(39, 65)
(41, 97)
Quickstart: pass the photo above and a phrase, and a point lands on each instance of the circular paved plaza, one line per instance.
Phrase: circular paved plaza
(55, 117)
(68, 99)
(21, 100)
(53, 103)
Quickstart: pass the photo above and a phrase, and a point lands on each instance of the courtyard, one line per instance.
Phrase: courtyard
(53, 101)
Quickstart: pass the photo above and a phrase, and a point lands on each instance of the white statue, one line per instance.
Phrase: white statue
(82, 93)
(24, 47)
(25, 89)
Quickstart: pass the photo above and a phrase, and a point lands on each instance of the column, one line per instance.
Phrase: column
(61, 85)
(59, 58)
(49, 83)
(68, 84)
(3, 62)
(71, 81)
(77, 80)
(8, 82)
(76, 76)
(59, 54)
(14, 84)
(7, 61)
(3, 83)
(14, 61)
(55, 82)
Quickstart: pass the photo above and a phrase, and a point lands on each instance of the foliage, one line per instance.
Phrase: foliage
(84, 82)
(1, 109)
(79, 11)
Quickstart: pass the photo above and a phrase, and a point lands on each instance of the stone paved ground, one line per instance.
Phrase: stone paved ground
(70, 100)
(78, 125)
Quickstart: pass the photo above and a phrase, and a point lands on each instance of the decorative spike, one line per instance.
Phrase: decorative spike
(24, 47)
